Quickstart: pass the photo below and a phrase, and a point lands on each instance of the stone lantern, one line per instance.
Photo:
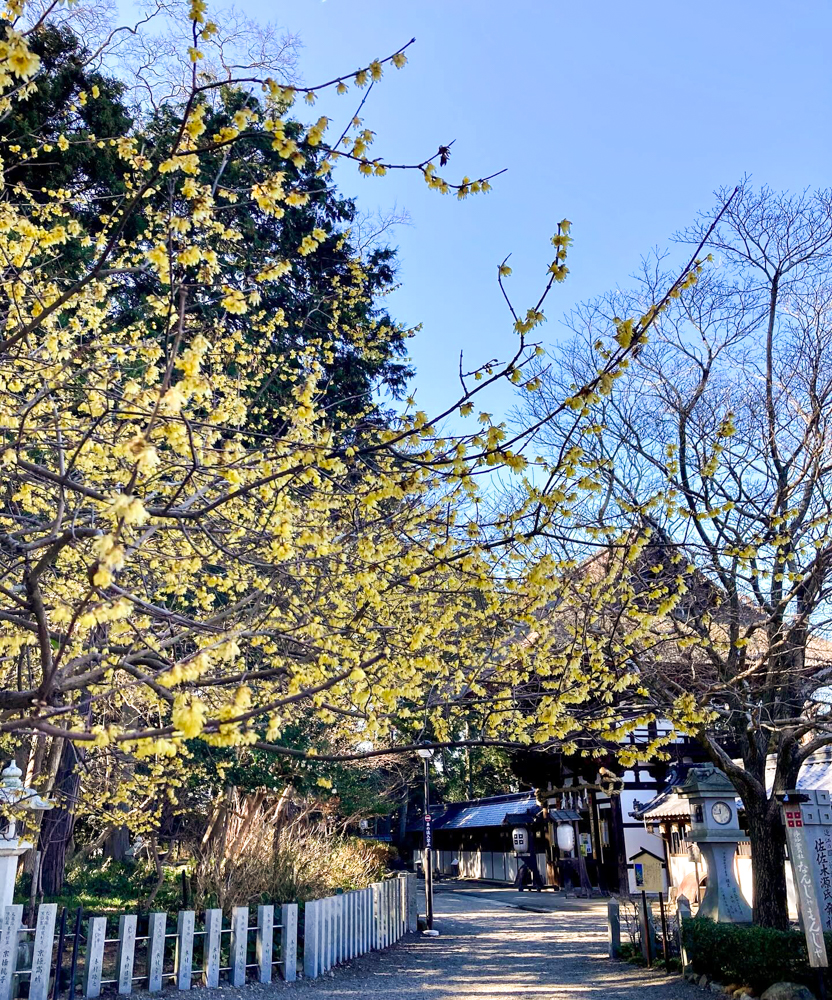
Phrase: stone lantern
(714, 827)
(14, 793)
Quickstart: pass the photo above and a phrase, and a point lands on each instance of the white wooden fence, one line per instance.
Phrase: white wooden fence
(493, 866)
(337, 929)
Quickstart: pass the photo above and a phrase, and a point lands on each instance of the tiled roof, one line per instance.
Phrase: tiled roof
(486, 812)
(666, 805)
(815, 775)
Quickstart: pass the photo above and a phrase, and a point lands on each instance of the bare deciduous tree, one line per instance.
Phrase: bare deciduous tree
(712, 459)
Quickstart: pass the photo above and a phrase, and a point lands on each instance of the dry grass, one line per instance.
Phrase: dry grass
(295, 865)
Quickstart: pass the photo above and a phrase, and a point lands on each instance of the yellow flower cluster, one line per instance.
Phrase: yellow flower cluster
(199, 577)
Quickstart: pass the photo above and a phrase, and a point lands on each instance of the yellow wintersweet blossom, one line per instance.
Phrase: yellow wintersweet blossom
(182, 566)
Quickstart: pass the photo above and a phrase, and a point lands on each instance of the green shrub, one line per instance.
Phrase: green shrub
(105, 886)
(631, 953)
(753, 956)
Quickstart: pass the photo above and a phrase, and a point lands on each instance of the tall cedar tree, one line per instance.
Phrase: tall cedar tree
(363, 351)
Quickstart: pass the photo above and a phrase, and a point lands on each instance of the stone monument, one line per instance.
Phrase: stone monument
(13, 795)
(807, 817)
(714, 827)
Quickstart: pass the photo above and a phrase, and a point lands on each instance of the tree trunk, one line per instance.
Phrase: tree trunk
(34, 768)
(619, 846)
(403, 817)
(280, 815)
(58, 824)
(768, 860)
(117, 843)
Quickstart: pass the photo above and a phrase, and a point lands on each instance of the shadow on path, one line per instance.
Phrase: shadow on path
(488, 949)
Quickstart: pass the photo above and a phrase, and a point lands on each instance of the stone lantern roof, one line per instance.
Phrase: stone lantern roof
(14, 792)
(706, 780)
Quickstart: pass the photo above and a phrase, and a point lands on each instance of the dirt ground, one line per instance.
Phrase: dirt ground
(488, 947)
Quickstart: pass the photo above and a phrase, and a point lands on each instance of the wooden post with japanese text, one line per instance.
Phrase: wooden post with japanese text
(805, 871)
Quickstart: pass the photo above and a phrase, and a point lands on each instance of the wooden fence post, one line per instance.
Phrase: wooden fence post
(265, 942)
(340, 927)
(324, 934)
(155, 950)
(412, 903)
(346, 950)
(239, 945)
(332, 932)
(345, 927)
(126, 951)
(312, 939)
(375, 922)
(646, 931)
(42, 951)
(211, 948)
(96, 933)
(396, 899)
(289, 941)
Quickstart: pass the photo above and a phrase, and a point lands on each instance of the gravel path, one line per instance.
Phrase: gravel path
(488, 949)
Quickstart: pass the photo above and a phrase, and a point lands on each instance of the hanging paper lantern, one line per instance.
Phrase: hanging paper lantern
(566, 837)
(520, 840)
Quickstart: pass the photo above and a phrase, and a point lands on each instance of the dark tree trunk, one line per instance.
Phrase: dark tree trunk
(768, 860)
(618, 845)
(403, 818)
(117, 843)
(58, 824)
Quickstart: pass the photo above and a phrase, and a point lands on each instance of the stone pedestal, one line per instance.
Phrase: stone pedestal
(723, 900)
(10, 850)
(613, 928)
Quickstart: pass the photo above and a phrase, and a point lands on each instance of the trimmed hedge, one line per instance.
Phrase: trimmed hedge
(752, 956)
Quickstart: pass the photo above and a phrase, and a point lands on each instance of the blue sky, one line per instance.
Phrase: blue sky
(621, 117)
